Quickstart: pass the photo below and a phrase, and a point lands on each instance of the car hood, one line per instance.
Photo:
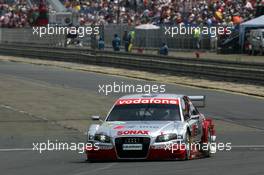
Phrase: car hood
(139, 128)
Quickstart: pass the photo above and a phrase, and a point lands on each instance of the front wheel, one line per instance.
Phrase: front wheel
(188, 143)
(207, 146)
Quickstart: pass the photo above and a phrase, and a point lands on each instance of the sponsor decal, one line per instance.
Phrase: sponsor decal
(133, 132)
(147, 101)
(119, 127)
(151, 127)
(130, 126)
(118, 122)
(111, 124)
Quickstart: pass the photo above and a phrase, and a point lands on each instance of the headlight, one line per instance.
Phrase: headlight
(166, 137)
(90, 137)
(102, 138)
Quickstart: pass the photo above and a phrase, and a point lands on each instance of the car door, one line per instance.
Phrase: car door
(198, 118)
(193, 119)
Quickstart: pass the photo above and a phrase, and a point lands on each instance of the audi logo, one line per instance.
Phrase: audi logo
(132, 140)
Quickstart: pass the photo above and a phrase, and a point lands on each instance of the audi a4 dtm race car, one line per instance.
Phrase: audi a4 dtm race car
(152, 127)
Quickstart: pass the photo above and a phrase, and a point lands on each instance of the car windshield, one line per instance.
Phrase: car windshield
(145, 112)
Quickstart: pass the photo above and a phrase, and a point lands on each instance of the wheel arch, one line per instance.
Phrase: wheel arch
(208, 125)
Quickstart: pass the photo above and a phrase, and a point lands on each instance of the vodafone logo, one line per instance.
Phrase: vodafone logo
(147, 101)
(133, 132)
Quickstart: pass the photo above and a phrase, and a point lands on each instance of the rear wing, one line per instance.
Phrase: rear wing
(198, 101)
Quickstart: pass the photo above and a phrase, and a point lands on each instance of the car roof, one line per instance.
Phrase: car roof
(169, 96)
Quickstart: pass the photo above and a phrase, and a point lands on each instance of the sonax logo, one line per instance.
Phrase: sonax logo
(133, 132)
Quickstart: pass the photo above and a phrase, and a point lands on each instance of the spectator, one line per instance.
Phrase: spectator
(131, 35)
(101, 44)
(197, 38)
(126, 40)
(164, 50)
(116, 43)
(42, 19)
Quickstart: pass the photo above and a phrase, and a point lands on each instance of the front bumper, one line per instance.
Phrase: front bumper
(165, 152)
(102, 151)
(160, 151)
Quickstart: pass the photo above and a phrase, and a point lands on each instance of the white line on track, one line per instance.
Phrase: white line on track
(247, 146)
(15, 149)
(23, 112)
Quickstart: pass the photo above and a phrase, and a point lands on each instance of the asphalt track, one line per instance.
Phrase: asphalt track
(239, 120)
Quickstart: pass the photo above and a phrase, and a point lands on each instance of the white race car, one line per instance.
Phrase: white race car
(152, 126)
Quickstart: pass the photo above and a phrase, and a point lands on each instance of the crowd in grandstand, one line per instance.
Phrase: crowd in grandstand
(15, 13)
(163, 11)
(19, 13)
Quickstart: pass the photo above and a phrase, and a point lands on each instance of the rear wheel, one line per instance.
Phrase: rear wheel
(207, 146)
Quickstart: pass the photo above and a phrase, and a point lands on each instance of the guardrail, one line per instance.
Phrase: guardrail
(202, 68)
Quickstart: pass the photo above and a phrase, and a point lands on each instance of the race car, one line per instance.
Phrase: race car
(152, 127)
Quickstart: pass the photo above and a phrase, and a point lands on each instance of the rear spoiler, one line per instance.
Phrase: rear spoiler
(198, 101)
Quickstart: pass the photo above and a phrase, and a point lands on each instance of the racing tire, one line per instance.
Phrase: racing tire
(188, 142)
(90, 161)
(207, 152)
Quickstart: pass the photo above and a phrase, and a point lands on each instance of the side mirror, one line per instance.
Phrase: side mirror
(95, 117)
(186, 116)
(195, 117)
